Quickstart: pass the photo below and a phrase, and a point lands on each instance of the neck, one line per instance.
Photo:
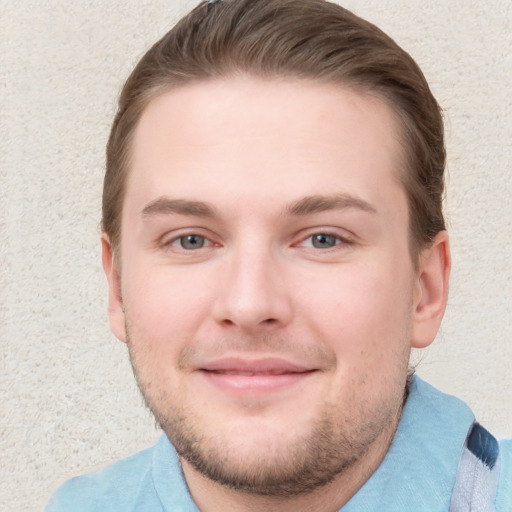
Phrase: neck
(211, 496)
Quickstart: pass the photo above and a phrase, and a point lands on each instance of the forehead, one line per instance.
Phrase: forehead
(227, 137)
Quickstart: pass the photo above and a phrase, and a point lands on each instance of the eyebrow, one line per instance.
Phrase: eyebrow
(304, 206)
(165, 205)
(320, 203)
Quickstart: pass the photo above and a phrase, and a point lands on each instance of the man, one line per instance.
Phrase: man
(274, 245)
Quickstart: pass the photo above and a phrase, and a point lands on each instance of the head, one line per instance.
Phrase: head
(273, 239)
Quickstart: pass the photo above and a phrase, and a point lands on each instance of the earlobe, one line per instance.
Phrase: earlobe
(431, 293)
(115, 301)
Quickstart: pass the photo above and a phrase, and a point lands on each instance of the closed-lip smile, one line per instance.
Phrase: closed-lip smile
(262, 375)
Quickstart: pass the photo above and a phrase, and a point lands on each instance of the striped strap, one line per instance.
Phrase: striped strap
(476, 481)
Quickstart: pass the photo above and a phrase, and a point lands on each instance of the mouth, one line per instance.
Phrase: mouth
(251, 374)
(260, 376)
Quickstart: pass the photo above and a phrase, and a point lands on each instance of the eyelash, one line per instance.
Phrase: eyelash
(167, 244)
(338, 240)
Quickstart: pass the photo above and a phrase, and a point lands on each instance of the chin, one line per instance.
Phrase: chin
(262, 456)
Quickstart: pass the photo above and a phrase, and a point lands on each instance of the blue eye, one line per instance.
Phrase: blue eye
(324, 241)
(191, 242)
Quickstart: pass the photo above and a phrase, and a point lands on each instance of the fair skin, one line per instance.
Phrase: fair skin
(266, 288)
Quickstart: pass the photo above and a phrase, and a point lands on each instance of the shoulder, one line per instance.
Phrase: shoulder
(116, 487)
(504, 495)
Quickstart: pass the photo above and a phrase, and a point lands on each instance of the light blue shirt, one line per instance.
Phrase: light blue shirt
(417, 474)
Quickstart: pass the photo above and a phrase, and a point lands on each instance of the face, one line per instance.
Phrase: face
(266, 291)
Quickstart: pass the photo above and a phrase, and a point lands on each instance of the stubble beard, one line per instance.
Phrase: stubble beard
(329, 449)
(299, 467)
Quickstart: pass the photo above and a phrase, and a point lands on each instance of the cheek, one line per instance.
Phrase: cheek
(165, 308)
(364, 314)
(165, 295)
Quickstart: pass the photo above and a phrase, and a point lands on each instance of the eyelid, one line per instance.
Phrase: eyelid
(169, 239)
(344, 239)
(179, 241)
(338, 241)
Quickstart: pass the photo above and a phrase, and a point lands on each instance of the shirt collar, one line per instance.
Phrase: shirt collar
(418, 472)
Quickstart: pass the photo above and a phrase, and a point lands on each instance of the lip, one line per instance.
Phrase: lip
(254, 376)
(267, 365)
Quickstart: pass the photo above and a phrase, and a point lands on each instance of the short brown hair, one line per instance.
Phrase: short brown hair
(310, 39)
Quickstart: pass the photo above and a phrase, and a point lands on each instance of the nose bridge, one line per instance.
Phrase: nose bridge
(252, 293)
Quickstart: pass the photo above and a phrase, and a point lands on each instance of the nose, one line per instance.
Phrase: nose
(252, 294)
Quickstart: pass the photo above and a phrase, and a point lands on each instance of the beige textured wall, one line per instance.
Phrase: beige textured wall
(68, 403)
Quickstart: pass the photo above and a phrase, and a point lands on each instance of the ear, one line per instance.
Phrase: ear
(115, 299)
(431, 291)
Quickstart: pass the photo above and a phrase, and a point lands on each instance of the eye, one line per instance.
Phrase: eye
(191, 242)
(324, 240)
